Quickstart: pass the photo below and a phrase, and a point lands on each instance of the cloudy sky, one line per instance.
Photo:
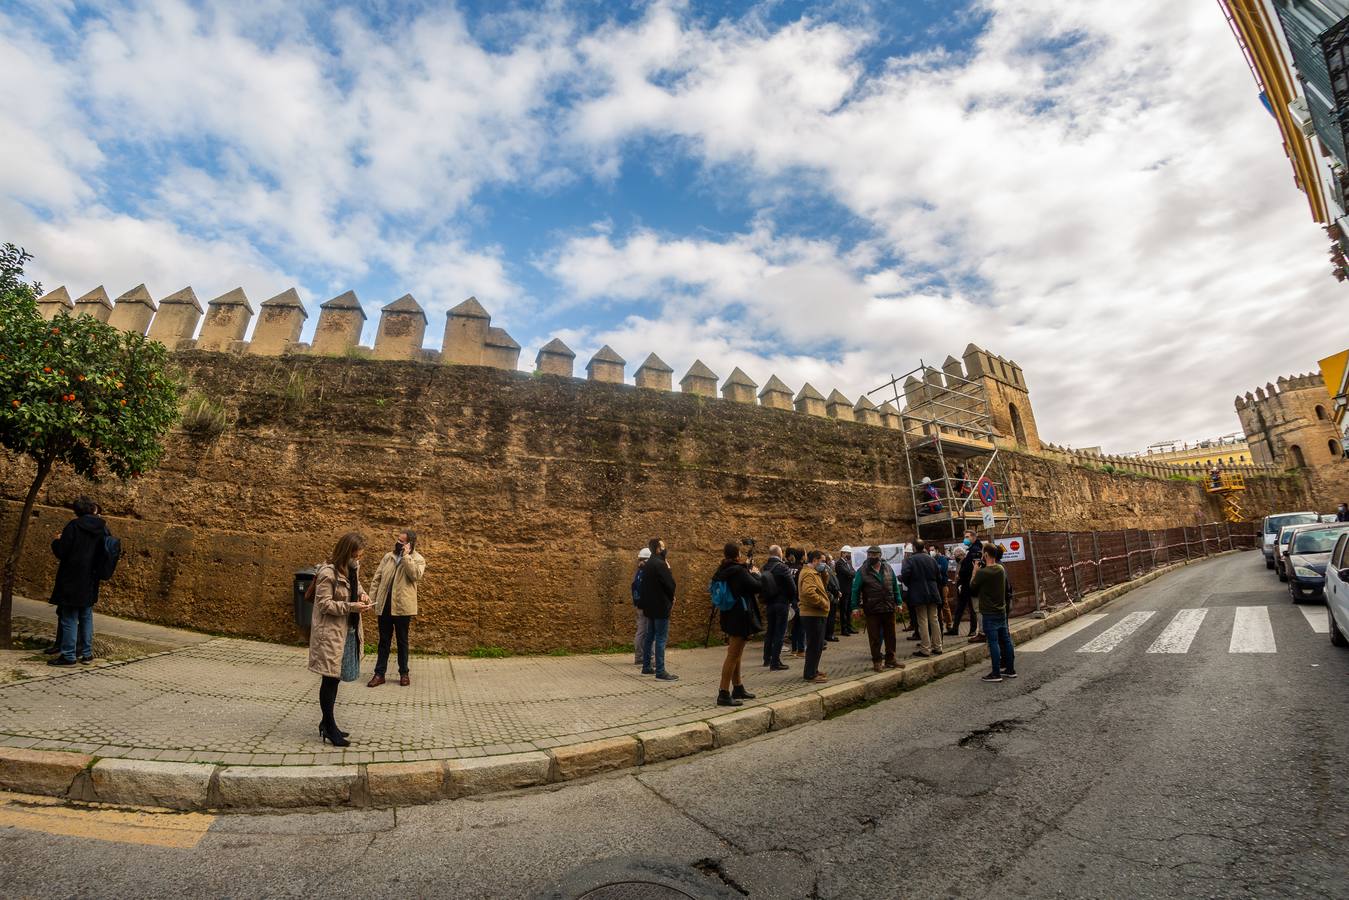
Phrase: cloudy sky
(827, 191)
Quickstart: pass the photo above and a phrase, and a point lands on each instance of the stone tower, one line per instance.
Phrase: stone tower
(177, 318)
(1008, 397)
(133, 311)
(280, 321)
(341, 321)
(1289, 424)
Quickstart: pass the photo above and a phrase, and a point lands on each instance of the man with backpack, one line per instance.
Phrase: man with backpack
(639, 639)
(778, 594)
(657, 600)
(88, 555)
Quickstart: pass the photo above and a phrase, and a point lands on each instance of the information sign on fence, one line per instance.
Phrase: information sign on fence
(1013, 548)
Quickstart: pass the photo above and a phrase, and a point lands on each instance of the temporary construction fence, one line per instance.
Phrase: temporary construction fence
(1061, 566)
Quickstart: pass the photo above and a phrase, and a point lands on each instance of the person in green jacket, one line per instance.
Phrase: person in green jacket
(989, 588)
(877, 588)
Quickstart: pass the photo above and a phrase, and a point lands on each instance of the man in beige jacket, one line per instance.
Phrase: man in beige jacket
(395, 596)
(814, 604)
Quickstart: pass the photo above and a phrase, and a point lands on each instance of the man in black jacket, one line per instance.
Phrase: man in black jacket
(973, 549)
(657, 600)
(922, 583)
(778, 596)
(79, 547)
(844, 571)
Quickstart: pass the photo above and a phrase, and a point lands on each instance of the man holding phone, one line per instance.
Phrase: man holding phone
(395, 593)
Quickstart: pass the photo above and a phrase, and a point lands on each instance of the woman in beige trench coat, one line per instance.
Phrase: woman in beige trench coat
(335, 583)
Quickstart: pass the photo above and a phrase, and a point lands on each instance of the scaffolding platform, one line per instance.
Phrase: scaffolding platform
(957, 445)
(950, 447)
(963, 519)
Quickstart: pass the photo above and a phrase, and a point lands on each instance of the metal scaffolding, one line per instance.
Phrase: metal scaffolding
(946, 424)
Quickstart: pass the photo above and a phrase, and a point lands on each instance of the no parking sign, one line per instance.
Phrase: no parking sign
(987, 491)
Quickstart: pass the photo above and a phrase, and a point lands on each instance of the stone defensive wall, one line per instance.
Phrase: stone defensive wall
(531, 492)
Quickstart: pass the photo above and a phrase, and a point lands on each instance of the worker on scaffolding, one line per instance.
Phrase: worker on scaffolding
(1215, 476)
(963, 486)
(933, 504)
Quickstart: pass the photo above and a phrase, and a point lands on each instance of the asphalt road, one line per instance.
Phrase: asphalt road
(1210, 767)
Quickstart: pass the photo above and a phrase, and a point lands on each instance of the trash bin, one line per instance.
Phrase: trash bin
(303, 610)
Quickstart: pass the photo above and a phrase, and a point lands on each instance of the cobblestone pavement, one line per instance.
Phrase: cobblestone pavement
(245, 702)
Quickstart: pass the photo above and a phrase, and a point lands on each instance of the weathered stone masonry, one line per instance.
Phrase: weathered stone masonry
(532, 494)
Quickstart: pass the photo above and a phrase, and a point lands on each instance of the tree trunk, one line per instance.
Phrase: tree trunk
(44, 466)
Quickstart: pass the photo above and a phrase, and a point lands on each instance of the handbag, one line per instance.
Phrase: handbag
(351, 656)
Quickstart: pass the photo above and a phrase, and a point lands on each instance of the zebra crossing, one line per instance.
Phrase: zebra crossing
(1252, 630)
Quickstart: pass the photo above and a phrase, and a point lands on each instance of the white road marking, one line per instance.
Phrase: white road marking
(1179, 632)
(1112, 637)
(1251, 631)
(1050, 638)
(1317, 618)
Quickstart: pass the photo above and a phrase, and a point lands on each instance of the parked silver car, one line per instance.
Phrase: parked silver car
(1270, 531)
(1337, 591)
(1305, 558)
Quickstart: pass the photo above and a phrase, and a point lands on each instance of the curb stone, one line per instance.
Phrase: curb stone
(406, 783)
(841, 696)
(488, 774)
(140, 782)
(594, 757)
(883, 684)
(675, 741)
(796, 710)
(40, 771)
(78, 776)
(250, 787)
(740, 726)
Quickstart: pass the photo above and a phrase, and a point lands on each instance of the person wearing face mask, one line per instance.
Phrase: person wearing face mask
(813, 599)
(964, 600)
(395, 593)
(920, 576)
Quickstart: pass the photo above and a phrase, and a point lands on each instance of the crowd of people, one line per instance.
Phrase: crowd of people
(800, 601)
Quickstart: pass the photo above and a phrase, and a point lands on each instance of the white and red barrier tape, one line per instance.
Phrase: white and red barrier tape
(1187, 543)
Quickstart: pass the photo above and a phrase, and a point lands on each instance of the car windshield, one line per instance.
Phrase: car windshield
(1316, 541)
(1274, 523)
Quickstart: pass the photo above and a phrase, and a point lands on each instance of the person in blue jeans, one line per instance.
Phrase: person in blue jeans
(79, 547)
(778, 593)
(989, 587)
(657, 601)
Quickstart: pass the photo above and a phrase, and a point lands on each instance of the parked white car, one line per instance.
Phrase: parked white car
(1270, 530)
(1337, 592)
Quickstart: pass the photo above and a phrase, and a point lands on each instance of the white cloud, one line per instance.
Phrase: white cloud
(1122, 198)
(1094, 183)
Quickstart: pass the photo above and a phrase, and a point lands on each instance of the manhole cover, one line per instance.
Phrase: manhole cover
(626, 878)
(636, 890)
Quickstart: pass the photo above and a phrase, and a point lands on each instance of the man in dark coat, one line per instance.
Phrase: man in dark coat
(657, 600)
(964, 600)
(922, 582)
(779, 596)
(844, 571)
(79, 547)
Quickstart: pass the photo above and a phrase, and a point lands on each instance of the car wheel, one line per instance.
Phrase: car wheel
(1292, 595)
(1336, 636)
(1269, 563)
(1282, 575)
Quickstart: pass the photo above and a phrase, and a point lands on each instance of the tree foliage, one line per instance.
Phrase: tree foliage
(79, 392)
(74, 392)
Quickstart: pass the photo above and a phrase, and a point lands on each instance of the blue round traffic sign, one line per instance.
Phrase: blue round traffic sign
(987, 492)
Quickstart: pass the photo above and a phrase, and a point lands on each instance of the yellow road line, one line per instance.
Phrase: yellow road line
(100, 823)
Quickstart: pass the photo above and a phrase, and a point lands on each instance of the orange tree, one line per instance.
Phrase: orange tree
(74, 392)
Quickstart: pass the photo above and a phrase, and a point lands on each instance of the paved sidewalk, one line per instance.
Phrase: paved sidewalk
(237, 702)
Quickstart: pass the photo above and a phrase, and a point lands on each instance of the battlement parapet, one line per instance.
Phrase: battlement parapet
(181, 322)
